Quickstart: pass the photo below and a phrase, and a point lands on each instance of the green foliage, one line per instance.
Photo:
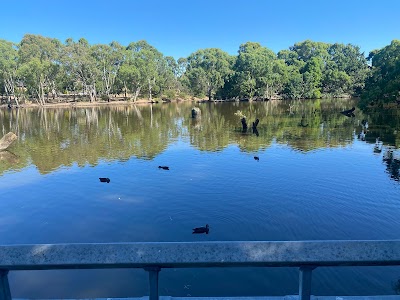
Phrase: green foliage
(383, 86)
(146, 69)
(330, 70)
(42, 66)
(109, 59)
(36, 46)
(207, 70)
(170, 94)
(294, 87)
(105, 98)
(8, 67)
(349, 60)
(254, 71)
(8, 56)
(308, 49)
(81, 67)
(336, 82)
(39, 65)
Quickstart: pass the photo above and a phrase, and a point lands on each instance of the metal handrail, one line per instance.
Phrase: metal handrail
(307, 255)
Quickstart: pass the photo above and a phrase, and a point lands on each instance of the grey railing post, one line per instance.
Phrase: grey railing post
(305, 282)
(5, 293)
(153, 281)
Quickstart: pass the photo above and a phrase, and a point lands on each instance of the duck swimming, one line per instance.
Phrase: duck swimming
(103, 179)
(201, 229)
(256, 158)
(163, 167)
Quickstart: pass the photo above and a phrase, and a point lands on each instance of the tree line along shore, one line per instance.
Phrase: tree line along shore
(42, 70)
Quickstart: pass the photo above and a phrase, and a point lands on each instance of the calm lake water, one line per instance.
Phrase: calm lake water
(321, 181)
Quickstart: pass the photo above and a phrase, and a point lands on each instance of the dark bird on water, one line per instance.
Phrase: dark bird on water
(201, 229)
(103, 179)
(163, 167)
(349, 113)
(256, 158)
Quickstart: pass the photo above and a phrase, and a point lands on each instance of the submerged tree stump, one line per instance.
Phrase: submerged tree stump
(7, 140)
(244, 125)
(196, 112)
(255, 123)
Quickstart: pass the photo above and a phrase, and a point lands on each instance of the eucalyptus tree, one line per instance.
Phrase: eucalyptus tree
(182, 66)
(168, 75)
(154, 63)
(308, 49)
(34, 78)
(311, 59)
(207, 70)
(383, 84)
(81, 66)
(141, 68)
(8, 68)
(326, 69)
(350, 60)
(279, 77)
(182, 77)
(39, 59)
(335, 81)
(291, 58)
(294, 87)
(312, 77)
(109, 59)
(130, 78)
(255, 71)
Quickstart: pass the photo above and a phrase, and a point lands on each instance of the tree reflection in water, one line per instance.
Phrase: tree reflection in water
(50, 138)
(392, 164)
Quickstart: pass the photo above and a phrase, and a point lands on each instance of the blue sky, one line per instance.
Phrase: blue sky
(178, 28)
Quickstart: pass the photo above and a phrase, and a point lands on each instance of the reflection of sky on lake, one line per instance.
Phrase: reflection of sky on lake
(309, 184)
(24, 177)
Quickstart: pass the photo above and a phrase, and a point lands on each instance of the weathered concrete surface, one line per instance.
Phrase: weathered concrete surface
(292, 297)
(289, 297)
(206, 254)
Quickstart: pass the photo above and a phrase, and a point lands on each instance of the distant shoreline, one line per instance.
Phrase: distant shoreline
(91, 104)
(116, 103)
(72, 104)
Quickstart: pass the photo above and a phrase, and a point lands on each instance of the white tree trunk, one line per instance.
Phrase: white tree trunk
(137, 92)
(9, 86)
(150, 89)
(209, 90)
(125, 89)
(106, 81)
(40, 93)
(90, 90)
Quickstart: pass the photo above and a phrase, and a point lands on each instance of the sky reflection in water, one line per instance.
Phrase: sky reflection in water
(310, 183)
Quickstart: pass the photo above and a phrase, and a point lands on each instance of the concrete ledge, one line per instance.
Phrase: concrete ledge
(289, 297)
(207, 254)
